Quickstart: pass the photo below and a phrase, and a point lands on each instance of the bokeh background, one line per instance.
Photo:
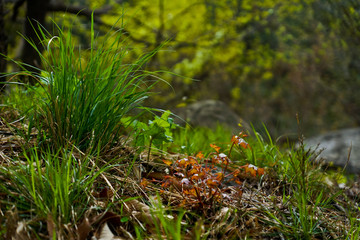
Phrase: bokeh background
(267, 59)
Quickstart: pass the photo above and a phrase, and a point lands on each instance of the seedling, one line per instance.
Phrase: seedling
(155, 133)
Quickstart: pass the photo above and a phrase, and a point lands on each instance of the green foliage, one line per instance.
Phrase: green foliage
(157, 131)
(354, 232)
(307, 194)
(22, 98)
(154, 134)
(259, 56)
(166, 225)
(85, 101)
(268, 59)
(50, 186)
(190, 141)
(171, 227)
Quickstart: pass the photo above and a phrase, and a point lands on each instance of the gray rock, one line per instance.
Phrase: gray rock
(208, 113)
(336, 147)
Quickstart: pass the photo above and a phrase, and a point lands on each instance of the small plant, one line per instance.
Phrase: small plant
(205, 182)
(155, 133)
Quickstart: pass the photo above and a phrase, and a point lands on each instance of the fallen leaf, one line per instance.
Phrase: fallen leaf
(212, 183)
(144, 183)
(140, 210)
(50, 226)
(167, 162)
(261, 171)
(84, 229)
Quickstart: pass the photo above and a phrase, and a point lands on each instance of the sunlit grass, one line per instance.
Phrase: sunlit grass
(51, 187)
(87, 91)
(193, 140)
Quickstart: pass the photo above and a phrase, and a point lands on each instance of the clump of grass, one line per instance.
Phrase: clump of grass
(354, 231)
(51, 188)
(167, 224)
(304, 193)
(87, 91)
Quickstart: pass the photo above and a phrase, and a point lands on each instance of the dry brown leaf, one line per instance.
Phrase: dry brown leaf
(84, 229)
(11, 223)
(15, 229)
(50, 226)
(141, 211)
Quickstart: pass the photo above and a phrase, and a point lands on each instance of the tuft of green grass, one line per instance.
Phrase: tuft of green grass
(354, 231)
(50, 187)
(87, 91)
(168, 225)
(304, 194)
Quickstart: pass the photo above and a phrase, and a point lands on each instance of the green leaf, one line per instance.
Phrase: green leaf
(124, 219)
(140, 140)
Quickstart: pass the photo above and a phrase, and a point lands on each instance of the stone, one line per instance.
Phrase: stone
(209, 113)
(336, 145)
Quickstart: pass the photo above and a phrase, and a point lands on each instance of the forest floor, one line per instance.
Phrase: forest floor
(245, 188)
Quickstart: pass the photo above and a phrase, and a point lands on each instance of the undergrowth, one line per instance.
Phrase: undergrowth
(55, 188)
(67, 173)
(220, 194)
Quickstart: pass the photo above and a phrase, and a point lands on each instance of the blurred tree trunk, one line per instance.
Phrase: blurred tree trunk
(36, 11)
(35, 15)
(3, 45)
